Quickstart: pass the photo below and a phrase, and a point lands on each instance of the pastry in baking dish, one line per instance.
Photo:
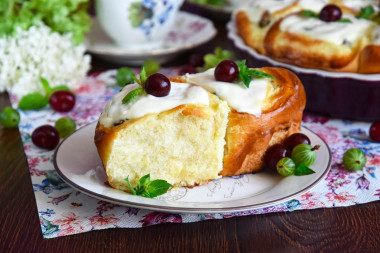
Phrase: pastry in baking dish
(202, 130)
(306, 41)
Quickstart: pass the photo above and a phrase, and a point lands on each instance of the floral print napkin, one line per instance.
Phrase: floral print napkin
(65, 211)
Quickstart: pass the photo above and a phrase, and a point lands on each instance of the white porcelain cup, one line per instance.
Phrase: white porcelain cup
(137, 24)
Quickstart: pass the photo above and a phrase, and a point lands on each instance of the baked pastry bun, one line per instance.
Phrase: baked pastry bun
(203, 130)
(307, 41)
(312, 43)
(178, 138)
(262, 115)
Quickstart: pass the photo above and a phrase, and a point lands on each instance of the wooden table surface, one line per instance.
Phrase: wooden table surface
(350, 229)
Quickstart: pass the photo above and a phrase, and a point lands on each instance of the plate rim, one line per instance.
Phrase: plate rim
(171, 209)
(240, 44)
(120, 52)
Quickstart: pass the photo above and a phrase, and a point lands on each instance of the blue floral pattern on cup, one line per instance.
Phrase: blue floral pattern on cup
(144, 15)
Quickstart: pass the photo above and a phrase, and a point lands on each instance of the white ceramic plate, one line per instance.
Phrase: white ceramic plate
(77, 162)
(188, 32)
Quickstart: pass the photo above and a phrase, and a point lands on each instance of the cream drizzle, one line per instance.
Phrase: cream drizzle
(336, 32)
(180, 93)
(237, 96)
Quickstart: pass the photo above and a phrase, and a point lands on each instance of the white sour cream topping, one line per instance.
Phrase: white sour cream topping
(255, 9)
(358, 4)
(313, 5)
(180, 93)
(335, 32)
(237, 96)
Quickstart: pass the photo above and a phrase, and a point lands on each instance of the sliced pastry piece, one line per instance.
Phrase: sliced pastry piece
(262, 115)
(178, 138)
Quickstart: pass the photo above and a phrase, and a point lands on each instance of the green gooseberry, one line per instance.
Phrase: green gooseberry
(286, 167)
(354, 159)
(151, 66)
(304, 153)
(65, 126)
(9, 117)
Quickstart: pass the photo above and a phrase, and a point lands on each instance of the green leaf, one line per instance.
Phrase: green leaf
(158, 187)
(50, 90)
(344, 20)
(308, 14)
(130, 186)
(124, 76)
(45, 85)
(147, 188)
(137, 81)
(131, 96)
(143, 76)
(302, 169)
(32, 101)
(144, 181)
(366, 12)
(244, 73)
(254, 73)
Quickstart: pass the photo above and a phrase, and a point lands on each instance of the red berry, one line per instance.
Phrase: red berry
(226, 71)
(187, 69)
(330, 13)
(295, 139)
(274, 154)
(374, 131)
(45, 136)
(62, 101)
(157, 85)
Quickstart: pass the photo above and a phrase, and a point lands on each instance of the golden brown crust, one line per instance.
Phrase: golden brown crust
(369, 60)
(248, 137)
(252, 34)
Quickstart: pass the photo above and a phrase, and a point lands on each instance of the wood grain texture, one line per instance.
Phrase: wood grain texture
(351, 229)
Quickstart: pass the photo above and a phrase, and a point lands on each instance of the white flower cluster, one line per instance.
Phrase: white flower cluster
(39, 52)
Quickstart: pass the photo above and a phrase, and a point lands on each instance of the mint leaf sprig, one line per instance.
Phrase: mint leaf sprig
(147, 188)
(36, 100)
(366, 12)
(132, 95)
(302, 170)
(246, 74)
(308, 14)
(124, 76)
